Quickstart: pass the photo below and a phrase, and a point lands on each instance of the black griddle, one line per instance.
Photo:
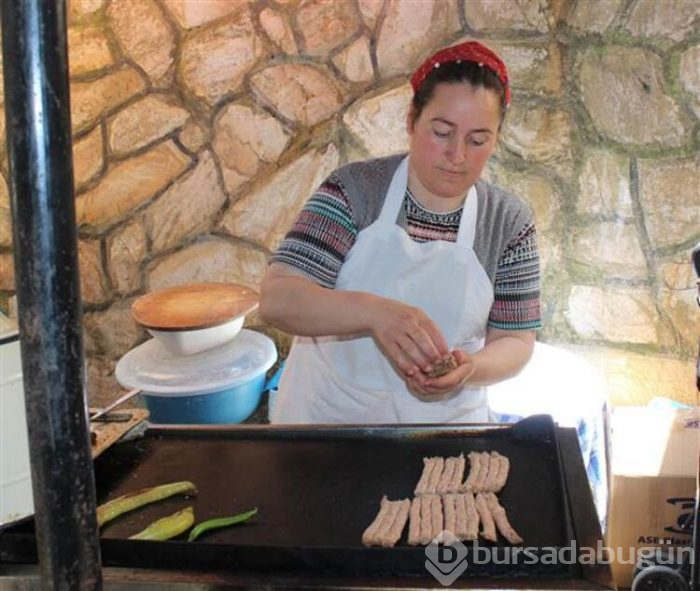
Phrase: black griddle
(316, 490)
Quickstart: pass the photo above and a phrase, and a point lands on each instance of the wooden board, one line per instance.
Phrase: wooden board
(194, 306)
(107, 434)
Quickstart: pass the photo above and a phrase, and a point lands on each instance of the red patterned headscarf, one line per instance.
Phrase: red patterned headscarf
(469, 51)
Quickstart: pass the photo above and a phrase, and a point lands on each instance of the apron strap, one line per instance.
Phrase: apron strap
(395, 195)
(467, 223)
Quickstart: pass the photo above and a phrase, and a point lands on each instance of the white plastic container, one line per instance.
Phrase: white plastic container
(190, 342)
(16, 501)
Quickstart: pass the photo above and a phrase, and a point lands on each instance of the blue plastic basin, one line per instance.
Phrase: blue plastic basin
(231, 405)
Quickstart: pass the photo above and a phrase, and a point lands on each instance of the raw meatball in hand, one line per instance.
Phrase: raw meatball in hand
(444, 366)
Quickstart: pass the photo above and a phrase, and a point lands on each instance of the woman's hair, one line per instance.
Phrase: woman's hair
(457, 72)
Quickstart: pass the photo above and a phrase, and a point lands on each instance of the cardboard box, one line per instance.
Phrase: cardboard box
(654, 462)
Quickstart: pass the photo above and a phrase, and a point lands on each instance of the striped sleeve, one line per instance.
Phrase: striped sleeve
(322, 235)
(517, 285)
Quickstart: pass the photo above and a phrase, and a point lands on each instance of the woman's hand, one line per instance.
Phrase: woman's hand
(410, 339)
(423, 385)
(504, 354)
(297, 305)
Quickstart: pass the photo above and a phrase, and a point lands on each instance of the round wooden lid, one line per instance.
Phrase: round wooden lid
(194, 306)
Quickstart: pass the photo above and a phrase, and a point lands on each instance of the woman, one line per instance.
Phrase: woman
(397, 262)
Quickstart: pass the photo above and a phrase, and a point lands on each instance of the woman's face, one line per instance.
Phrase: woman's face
(451, 141)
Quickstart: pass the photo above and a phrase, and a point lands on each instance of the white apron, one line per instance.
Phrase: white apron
(348, 379)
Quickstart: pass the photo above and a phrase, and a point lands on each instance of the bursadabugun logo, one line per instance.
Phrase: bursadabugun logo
(447, 558)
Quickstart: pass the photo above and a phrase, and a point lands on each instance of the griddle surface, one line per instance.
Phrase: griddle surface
(316, 492)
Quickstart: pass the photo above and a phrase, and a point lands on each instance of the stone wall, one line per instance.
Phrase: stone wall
(201, 126)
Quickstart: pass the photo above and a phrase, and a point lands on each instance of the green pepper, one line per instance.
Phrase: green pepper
(131, 501)
(167, 527)
(220, 522)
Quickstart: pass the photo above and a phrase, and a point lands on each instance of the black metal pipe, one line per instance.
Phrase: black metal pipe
(47, 282)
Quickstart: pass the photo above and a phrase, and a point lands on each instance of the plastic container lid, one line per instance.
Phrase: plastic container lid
(154, 369)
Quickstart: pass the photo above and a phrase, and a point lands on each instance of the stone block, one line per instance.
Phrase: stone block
(326, 24)
(7, 272)
(130, 184)
(690, 76)
(277, 27)
(114, 330)
(670, 200)
(144, 122)
(532, 67)
(678, 298)
(505, 15)
(355, 61)
(214, 60)
(88, 158)
(195, 13)
(187, 207)
(623, 89)
(83, 10)
(126, 250)
(265, 215)
(410, 31)
(88, 51)
(102, 385)
(146, 36)
(93, 279)
(593, 16)
(611, 250)
(244, 139)
(538, 134)
(212, 260)
(378, 122)
(370, 10)
(300, 93)
(91, 100)
(193, 136)
(604, 185)
(671, 19)
(5, 227)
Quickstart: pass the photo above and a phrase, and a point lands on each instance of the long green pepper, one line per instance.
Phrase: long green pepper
(131, 501)
(219, 522)
(167, 527)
